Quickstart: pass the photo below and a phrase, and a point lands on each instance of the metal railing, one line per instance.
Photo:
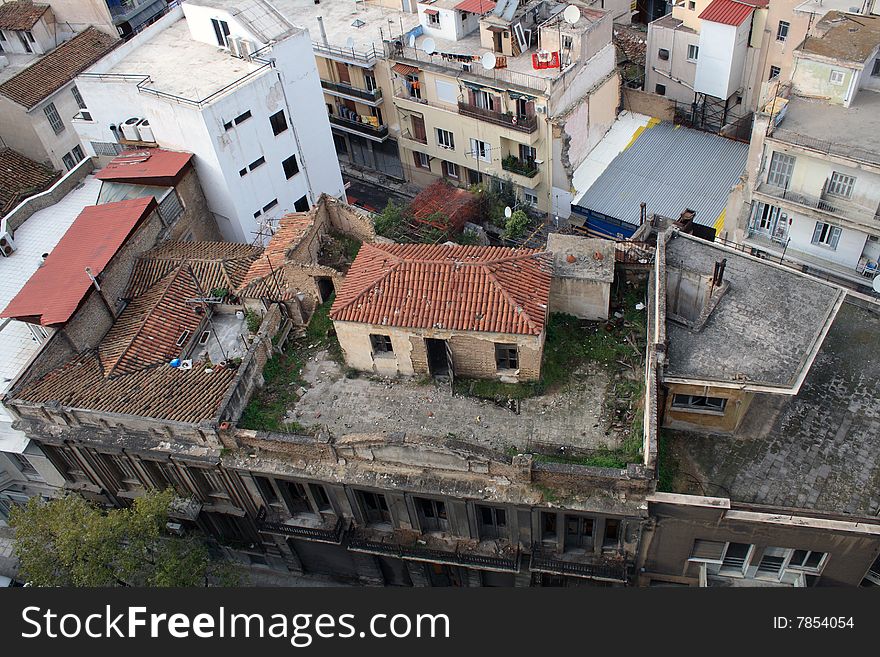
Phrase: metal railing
(527, 124)
(519, 167)
(823, 203)
(367, 57)
(831, 148)
(332, 535)
(547, 562)
(370, 95)
(418, 552)
(363, 128)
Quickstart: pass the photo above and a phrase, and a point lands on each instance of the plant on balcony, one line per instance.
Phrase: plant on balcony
(515, 165)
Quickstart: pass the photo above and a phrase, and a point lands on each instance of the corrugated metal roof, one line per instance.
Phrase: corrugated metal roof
(670, 168)
(728, 12)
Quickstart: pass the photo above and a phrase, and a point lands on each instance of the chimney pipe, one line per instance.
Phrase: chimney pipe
(323, 31)
(643, 213)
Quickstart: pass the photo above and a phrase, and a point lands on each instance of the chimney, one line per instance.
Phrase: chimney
(643, 213)
(718, 274)
(323, 31)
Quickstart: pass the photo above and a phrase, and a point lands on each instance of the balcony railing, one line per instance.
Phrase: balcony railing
(366, 57)
(549, 562)
(527, 124)
(824, 203)
(366, 129)
(519, 167)
(371, 96)
(832, 148)
(327, 534)
(418, 552)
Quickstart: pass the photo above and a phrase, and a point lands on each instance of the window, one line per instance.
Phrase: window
(445, 139)
(708, 551)
(774, 72)
(221, 31)
(24, 42)
(271, 204)
(78, 97)
(294, 494)
(481, 150)
(374, 507)
(485, 100)
(418, 129)
(67, 159)
(693, 52)
(278, 122)
(432, 515)
(260, 161)
(2, 36)
(781, 166)
(30, 36)
(370, 81)
(699, 403)
(771, 563)
(841, 185)
(54, 119)
(291, 168)
(319, 494)
(527, 154)
(492, 522)
(111, 149)
(381, 344)
(782, 30)
(227, 125)
(612, 532)
(567, 42)
(242, 172)
(875, 72)
(433, 18)
(735, 558)
(204, 337)
(578, 531)
(660, 89)
(548, 526)
(806, 560)
(301, 204)
(836, 77)
(506, 357)
(422, 160)
(182, 339)
(450, 169)
(241, 118)
(692, 5)
(530, 198)
(24, 465)
(826, 235)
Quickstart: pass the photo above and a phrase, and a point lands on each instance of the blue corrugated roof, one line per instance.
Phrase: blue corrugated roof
(670, 168)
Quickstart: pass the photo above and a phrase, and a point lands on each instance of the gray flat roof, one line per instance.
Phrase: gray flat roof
(670, 168)
(575, 257)
(764, 330)
(818, 450)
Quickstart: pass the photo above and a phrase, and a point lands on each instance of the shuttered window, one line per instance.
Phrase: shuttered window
(711, 551)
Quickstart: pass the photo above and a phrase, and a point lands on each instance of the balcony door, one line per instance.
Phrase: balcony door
(769, 221)
(342, 72)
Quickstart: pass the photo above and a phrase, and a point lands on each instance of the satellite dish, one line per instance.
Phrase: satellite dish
(488, 60)
(876, 284)
(412, 41)
(508, 212)
(429, 46)
(572, 14)
(349, 42)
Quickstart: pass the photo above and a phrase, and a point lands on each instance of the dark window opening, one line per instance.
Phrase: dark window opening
(492, 522)
(548, 526)
(319, 494)
(291, 168)
(374, 507)
(241, 118)
(279, 122)
(699, 403)
(612, 531)
(660, 89)
(260, 161)
(271, 204)
(301, 205)
(663, 54)
(506, 357)
(432, 515)
(381, 344)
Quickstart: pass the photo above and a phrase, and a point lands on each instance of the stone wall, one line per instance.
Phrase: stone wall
(197, 223)
(582, 298)
(642, 102)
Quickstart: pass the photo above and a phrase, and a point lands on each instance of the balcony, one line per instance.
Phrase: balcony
(499, 556)
(527, 124)
(365, 58)
(837, 207)
(611, 569)
(359, 128)
(519, 167)
(311, 528)
(371, 97)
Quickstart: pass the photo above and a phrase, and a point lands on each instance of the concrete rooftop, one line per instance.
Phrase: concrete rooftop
(15, 63)
(817, 450)
(764, 330)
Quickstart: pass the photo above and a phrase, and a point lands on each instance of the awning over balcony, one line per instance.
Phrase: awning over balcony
(431, 12)
(404, 69)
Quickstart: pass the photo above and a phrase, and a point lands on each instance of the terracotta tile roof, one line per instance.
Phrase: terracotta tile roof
(259, 281)
(21, 177)
(467, 288)
(404, 69)
(476, 6)
(458, 204)
(20, 15)
(147, 166)
(52, 71)
(728, 12)
(147, 331)
(161, 392)
(214, 264)
(56, 290)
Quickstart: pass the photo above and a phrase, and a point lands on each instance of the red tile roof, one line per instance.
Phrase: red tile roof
(52, 71)
(458, 204)
(21, 177)
(476, 6)
(404, 69)
(260, 281)
(57, 289)
(20, 15)
(148, 166)
(728, 12)
(465, 288)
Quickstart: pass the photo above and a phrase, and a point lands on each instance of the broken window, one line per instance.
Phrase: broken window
(806, 560)
(432, 515)
(374, 507)
(612, 532)
(267, 490)
(492, 522)
(294, 494)
(506, 357)
(699, 403)
(381, 344)
(548, 526)
(578, 532)
(319, 494)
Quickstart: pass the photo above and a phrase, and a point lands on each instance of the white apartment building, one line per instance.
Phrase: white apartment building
(813, 193)
(237, 86)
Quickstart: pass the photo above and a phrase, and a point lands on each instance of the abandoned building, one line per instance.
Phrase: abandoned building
(478, 312)
(583, 270)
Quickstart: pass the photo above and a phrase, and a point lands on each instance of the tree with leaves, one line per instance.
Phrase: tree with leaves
(70, 542)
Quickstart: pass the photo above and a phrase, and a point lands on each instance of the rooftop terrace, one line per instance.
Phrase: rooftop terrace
(818, 450)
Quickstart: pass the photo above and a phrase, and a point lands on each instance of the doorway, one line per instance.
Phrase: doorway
(439, 357)
(325, 288)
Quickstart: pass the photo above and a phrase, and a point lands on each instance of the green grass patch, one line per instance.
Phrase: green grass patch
(667, 466)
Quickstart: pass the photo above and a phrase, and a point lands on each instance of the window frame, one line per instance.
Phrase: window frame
(782, 30)
(692, 47)
(492, 529)
(53, 117)
(503, 357)
(780, 169)
(841, 185)
(658, 87)
(826, 235)
(276, 130)
(689, 404)
(481, 150)
(836, 77)
(295, 168)
(775, 72)
(77, 96)
(449, 172)
(381, 344)
(445, 139)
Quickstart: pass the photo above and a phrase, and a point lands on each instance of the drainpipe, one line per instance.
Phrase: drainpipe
(323, 31)
(100, 293)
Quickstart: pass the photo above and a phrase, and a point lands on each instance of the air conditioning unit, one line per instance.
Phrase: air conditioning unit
(245, 48)
(541, 109)
(145, 131)
(129, 129)
(7, 246)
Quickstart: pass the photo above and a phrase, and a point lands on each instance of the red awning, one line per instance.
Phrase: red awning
(147, 166)
(404, 69)
(476, 6)
(431, 12)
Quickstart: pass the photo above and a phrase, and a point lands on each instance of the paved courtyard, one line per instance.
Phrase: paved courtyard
(575, 416)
